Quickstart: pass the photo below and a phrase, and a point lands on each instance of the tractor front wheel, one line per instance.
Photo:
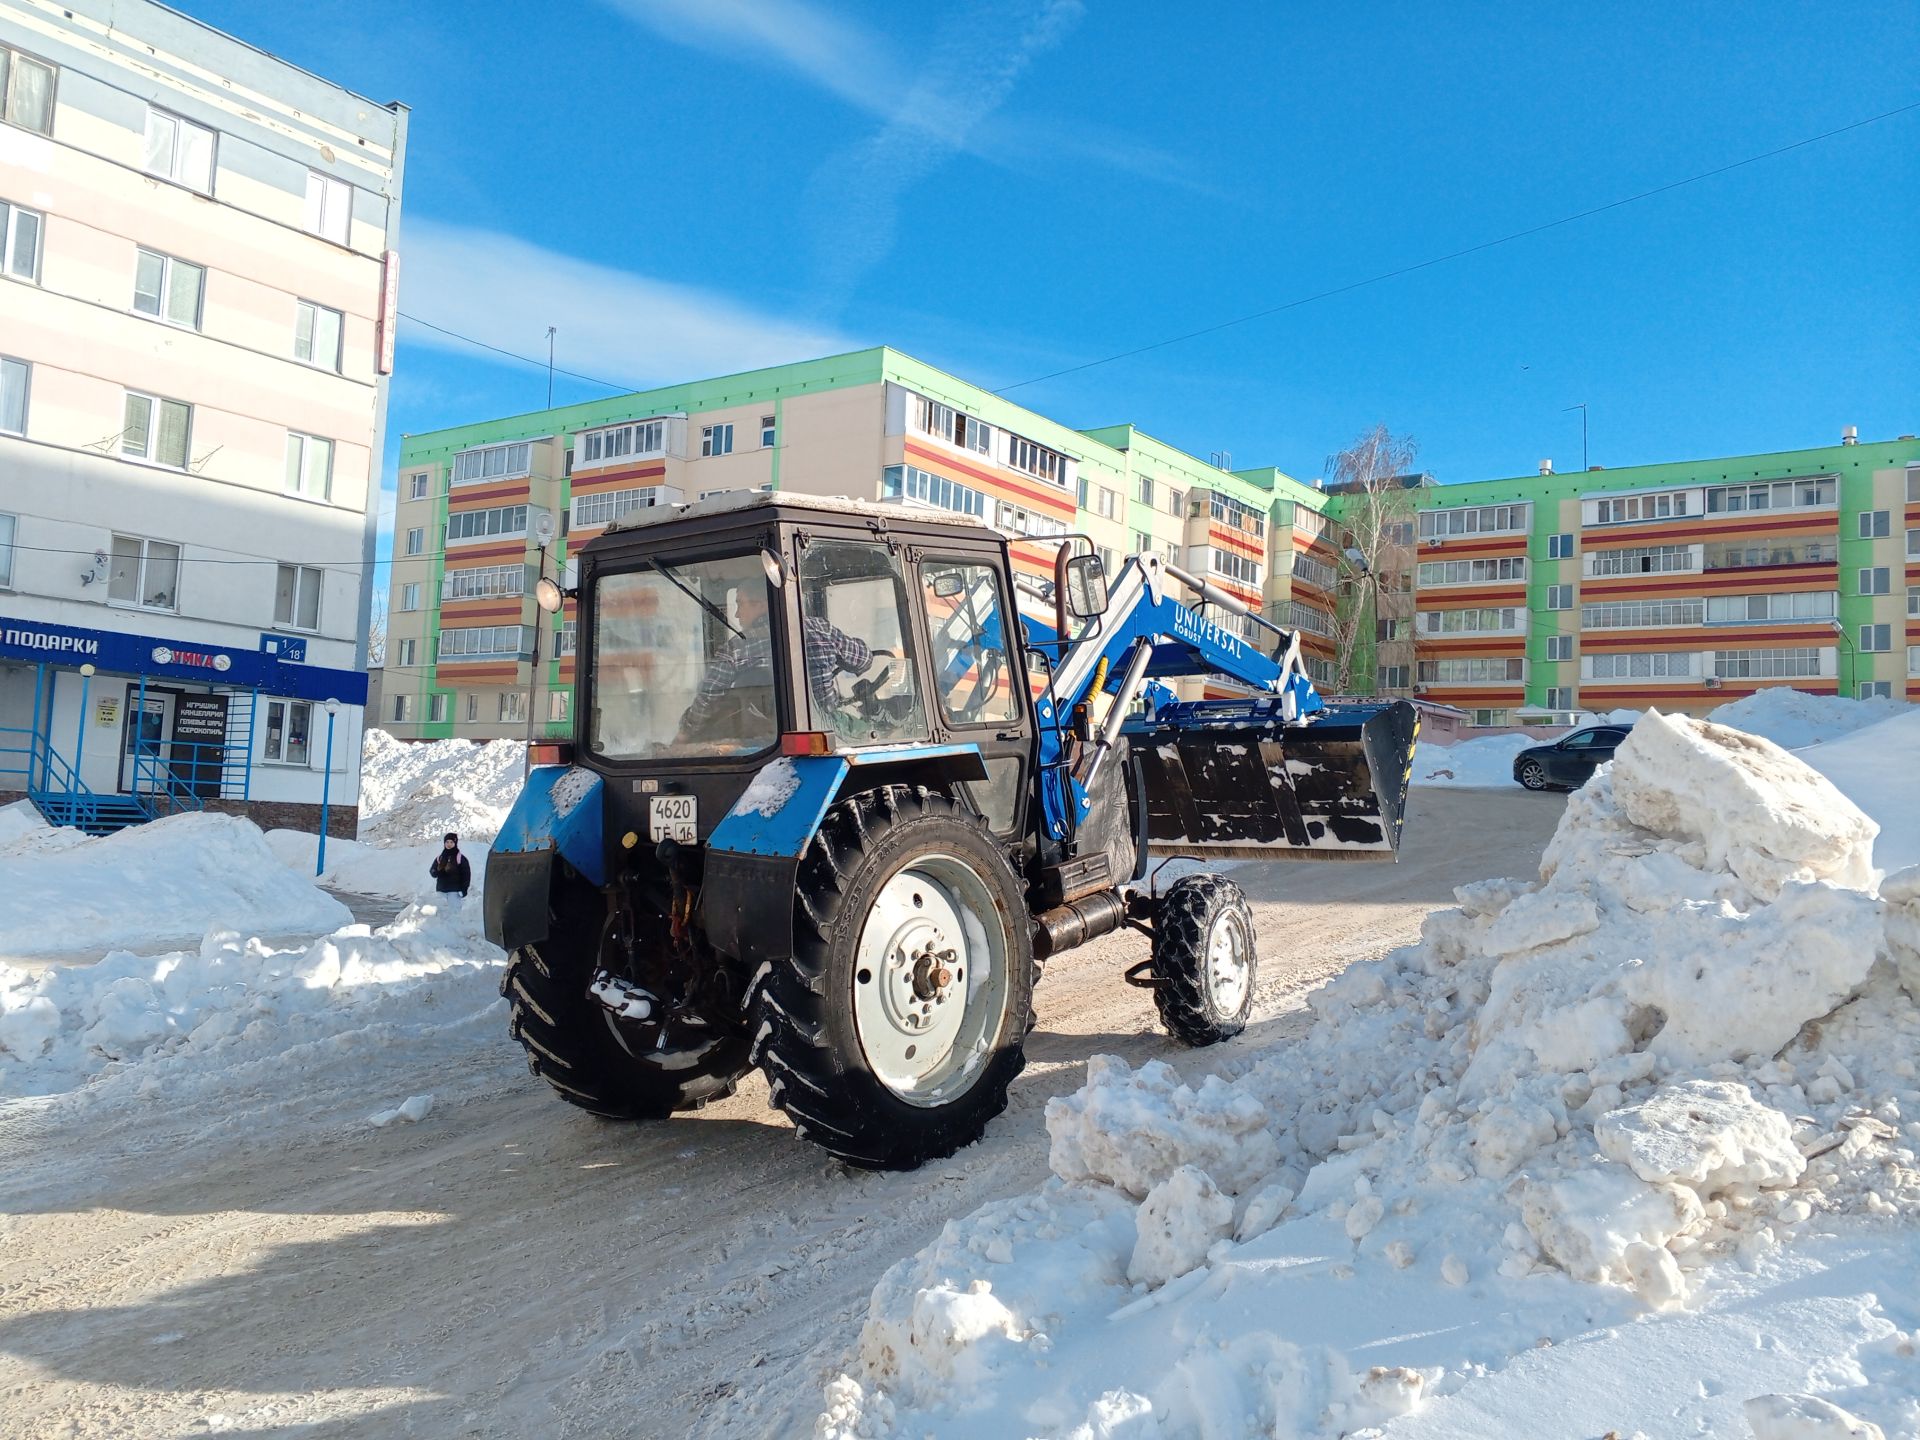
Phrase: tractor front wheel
(1203, 960)
(891, 1036)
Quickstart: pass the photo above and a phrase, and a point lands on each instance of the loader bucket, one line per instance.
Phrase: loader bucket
(1231, 777)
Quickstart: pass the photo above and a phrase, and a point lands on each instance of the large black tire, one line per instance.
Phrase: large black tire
(571, 1044)
(802, 1012)
(1202, 1002)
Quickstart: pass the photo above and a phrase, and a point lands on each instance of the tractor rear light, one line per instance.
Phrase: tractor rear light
(553, 754)
(806, 742)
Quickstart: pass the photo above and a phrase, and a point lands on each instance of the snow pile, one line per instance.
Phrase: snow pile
(155, 884)
(181, 1018)
(1873, 767)
(1794, 719)
(395, 872)
(1684, 1053)
(1482, 763)
(24, 831)
(411, 794)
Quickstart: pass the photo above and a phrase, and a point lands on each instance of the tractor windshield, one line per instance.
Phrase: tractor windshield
(682, 660)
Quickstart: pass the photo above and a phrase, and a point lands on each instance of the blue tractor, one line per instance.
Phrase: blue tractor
(832, 800)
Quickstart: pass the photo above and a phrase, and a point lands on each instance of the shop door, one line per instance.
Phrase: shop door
(149, 728)
(199, 748)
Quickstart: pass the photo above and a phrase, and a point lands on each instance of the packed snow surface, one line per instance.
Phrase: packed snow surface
(1660, 1100)
(411, 794)
(152, 885)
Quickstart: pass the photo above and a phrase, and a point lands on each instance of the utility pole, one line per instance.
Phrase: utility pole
(1581, 407)
(550, 333)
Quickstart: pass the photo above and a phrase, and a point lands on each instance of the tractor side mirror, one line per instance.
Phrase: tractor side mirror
(947, 584)
(1086, 587)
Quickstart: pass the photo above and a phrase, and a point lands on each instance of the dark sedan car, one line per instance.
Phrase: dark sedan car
(1570, 761)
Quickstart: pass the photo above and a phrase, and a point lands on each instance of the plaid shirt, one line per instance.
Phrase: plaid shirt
(828, 651)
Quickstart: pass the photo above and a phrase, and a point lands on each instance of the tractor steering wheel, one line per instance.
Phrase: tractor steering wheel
(863, 698)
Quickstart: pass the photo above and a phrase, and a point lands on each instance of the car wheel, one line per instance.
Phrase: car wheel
(1533, 775)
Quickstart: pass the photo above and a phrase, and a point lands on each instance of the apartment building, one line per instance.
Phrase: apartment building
(483, 509)
(196, 330)
(1674, 585)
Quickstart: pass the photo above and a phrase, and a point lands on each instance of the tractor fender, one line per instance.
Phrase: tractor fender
(753, 854)
(558, 812)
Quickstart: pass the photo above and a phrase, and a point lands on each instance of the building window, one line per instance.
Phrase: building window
(402, 709)
(716, 440)
(1560, 547)
(1472, 572)
(1643, 560)
(1734, 555)
(157, 430)
(1146, 490)
(1913, 544)
(1876, 638)
(617, 442)
(1229, 511)
(566, 636)
(1176, 502)
(1559, 597)
(410, 595)
(484, 581)
(1473, 620)
(473, 706)
(316, 335)
(1913, 602)
(416, 540)
(1641, 614)
(609, 505)
(15, 376)
(1106, 502)
(511, 640)
(1877, 581)
(417, 486)
(559, 706)
(1228, 563)
(1472, 671)
(20, 239)
(296, 597)
(8, 524)
(1559, 697)
(329, 207)
(309, 466)
(513, 706)
(289, 723)
(168, 289)
(1038, 461)
(1388, 631)
(1878, 689)
(1017, 520)
(437, 708)
(766, 443)
(1297, 616)
(1474, 520)
(1875, 524)
(1640, 666)
(28, 86)
(1767, 609)
(180, 150)
(907, 482)
(1796, 664)
(1311, 571)
(145, 573)
(1626, 509)
(405, 652)
(1808, 492)
(1559, 647)
(483, 524)
(1491, 718)
(492, 462)
(1391, 677)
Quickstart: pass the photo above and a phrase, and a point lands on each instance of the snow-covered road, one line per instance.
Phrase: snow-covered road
(509, 1267)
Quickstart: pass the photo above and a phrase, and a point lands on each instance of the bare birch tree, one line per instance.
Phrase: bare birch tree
(1375, 481)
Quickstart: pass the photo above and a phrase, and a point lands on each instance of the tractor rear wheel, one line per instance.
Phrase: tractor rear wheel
(891, 1036)
(1203, 960)
(614, 1068)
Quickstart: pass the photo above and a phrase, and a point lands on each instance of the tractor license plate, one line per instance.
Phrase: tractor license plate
(671, 817)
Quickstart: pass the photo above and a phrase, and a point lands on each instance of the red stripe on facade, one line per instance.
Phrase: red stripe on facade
(466, 611)
(1698, 694)
(1690, 531)
(635, 476)
(1315, 542)
(1457, 646)
(455, 670)
(458, 554)
(1706, 637)
(1474, 694)
(1234, 539)
(481, 497)
(1059, 502)
(1472, 597)
(1462, 548)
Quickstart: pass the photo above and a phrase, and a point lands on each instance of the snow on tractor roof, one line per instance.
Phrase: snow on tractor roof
(731, 500)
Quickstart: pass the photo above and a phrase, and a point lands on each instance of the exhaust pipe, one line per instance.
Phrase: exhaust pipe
(1066, 926)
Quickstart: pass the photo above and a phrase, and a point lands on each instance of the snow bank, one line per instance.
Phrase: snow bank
(24, 831)
(395, 872)
(1680, 1062)
(1872, 767)
(1483, 763)
(411, 794)
(181, 1019)
(1794, 719)
(154, 885)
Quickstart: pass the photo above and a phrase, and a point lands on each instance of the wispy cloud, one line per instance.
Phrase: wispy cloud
(615, 325)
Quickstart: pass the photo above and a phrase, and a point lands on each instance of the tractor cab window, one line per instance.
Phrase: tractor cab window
(682, 660)
(861, 682)
(966, 627)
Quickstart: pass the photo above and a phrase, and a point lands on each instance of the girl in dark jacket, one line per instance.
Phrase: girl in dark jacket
(450, 869)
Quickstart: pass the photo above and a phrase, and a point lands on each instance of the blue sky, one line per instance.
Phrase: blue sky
(691, 187)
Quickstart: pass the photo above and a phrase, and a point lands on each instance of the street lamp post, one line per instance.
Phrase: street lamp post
(80, 731)
(326, 790)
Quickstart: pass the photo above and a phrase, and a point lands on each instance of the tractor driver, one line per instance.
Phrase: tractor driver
(745, 661)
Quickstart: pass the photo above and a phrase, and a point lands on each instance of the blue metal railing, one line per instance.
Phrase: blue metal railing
(171, 776)
(57, 791)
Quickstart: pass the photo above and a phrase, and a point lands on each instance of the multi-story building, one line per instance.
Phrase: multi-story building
(1675, 585)
(196, 320)
(482, 508)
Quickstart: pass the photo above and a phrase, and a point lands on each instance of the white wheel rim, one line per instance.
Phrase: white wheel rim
(930, 980)
(1229, 962)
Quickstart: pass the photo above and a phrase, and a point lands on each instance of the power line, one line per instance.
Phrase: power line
(1428, 264)
(514, 355)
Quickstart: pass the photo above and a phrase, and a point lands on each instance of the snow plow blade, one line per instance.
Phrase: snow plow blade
(1231, 777)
